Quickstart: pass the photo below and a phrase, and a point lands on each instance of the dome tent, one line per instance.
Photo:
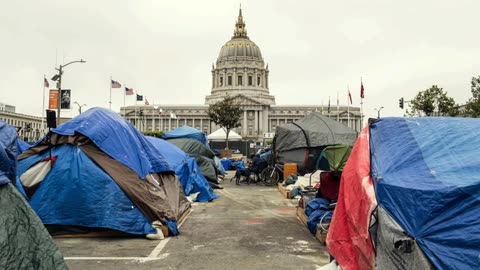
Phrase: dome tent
(106, 171)
(302, 141)
(186, 132)
(221, 135)
(186, 169)
(203, 155)
(19, 226)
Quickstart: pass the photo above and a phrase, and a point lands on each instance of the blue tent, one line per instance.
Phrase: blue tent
(427, 179)
(186, 169)
(102, 177)
(186, 132)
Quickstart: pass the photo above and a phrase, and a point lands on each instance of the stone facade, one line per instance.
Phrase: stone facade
(239, 71)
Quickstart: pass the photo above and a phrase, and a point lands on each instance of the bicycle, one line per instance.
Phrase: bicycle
(271, 175)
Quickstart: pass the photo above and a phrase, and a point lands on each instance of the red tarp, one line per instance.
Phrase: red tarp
(348, 239)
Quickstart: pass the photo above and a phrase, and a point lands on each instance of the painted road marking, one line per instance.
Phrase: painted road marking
(152, 257)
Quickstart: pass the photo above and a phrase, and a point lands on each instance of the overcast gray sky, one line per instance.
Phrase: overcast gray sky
(165, 49)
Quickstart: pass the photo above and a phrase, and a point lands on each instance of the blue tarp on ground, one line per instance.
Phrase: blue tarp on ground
(186, 169)
(8, 153)
(88, 195)
(427, 176)
(186, 132)
(118, 138)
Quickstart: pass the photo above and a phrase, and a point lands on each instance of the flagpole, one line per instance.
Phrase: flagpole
(136, 102)
(338, 108)
(43, 105)
(110, 101)
(348, 108)
(124, 96)
(361, 104)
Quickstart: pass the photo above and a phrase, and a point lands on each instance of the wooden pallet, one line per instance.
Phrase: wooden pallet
(301, 215)
(284, 191)
(113, 233)
(321, 236)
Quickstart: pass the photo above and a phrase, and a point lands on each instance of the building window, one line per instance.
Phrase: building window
(240, 80)
(229, 80)
(250, 80)
(221, 81)
(258, 81)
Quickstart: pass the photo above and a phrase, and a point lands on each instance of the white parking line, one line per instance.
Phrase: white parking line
(152, 257)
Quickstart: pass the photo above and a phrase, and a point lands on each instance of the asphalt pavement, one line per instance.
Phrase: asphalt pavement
(248, 227)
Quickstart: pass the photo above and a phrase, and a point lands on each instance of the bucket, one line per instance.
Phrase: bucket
(288, 169)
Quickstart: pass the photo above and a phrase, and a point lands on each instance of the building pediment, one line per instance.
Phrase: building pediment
(244, 100)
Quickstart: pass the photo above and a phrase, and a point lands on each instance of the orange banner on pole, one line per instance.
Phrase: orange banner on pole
(53, 99)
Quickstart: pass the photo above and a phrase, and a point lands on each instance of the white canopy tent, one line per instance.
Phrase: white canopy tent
(221, 135)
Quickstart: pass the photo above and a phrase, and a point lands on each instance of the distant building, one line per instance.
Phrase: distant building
(240, 71)
(28, 126)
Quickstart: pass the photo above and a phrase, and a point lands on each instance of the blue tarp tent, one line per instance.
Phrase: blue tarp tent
(186, 169)
(103, 176)
(186, 132)
(427, 177)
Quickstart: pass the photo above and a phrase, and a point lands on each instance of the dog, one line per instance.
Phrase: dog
(239, 174)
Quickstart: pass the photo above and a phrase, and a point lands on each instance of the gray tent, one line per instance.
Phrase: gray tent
(202, 154)
(302, 141)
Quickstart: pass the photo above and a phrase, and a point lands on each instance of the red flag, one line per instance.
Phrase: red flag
(362, 91)
(350, 96)
(45, 83)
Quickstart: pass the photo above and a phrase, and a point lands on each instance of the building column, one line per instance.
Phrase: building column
(170, 123)
(255, 126)
(265, 120)
(153, 121)
(245, 131)
(260, 122)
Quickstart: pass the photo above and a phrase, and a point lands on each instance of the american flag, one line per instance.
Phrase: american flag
(128, 91)
(45, 83)
(362, 90)
(350, 96)
(116, 84)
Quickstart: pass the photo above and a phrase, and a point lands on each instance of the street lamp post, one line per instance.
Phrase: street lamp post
(80, 107)
(378, 111)
(59, 84)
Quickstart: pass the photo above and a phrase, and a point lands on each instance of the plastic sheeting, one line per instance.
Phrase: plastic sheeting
(25, 242)
(313, 130)
(22, 146)
(394, 249)
(8, 153)
(348, 238)
(427, 177)
(186, 132)
(118, 138)
(186, 169)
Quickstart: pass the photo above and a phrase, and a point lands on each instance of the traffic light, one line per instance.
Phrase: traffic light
(28, 128)
(400, 103)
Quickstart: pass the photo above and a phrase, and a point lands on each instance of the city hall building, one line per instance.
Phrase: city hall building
(240, 71)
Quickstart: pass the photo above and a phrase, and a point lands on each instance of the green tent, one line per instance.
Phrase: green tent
(334, 157)
(24, 241)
